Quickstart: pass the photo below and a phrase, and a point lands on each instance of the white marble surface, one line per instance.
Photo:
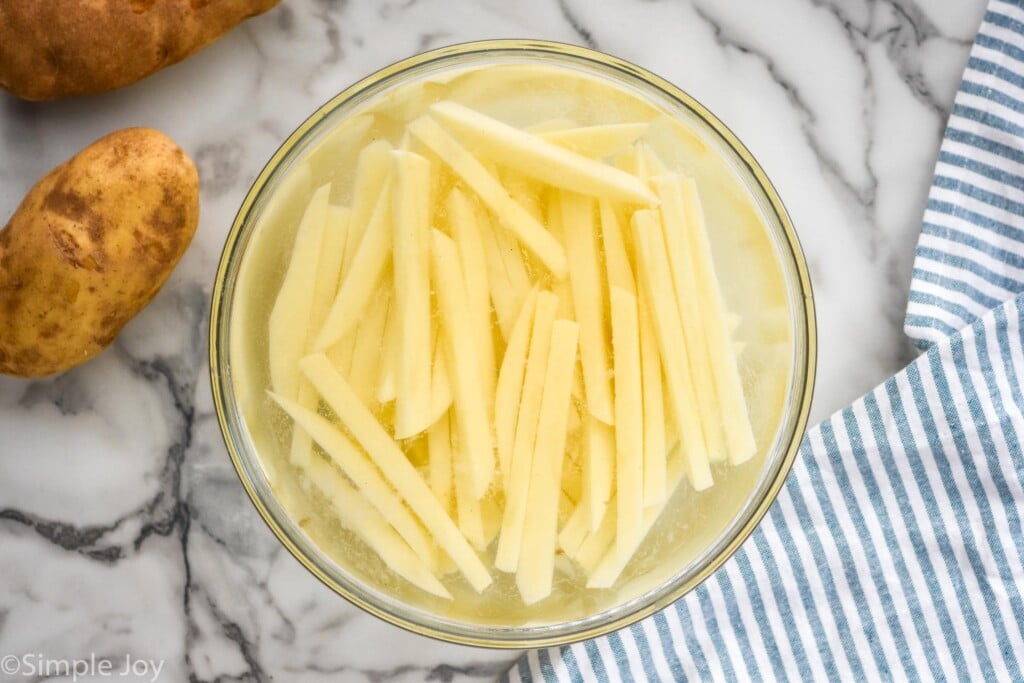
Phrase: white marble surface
(123, 529)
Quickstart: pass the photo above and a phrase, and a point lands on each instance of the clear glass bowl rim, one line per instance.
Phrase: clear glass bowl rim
(546, 635)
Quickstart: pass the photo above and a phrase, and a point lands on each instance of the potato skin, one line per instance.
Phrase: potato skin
(51, 49)
(90, 246)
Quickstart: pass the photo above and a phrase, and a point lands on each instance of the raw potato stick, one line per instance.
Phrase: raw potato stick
(527, 192)
(466, 231)
(412, 209)
(507, 275)
(536, 566)
(365, 363)
(439, 465)
(366, 522)
(551, 126)
(651, 164)
(657, 288)
(688, 294)
(328, 272)
(513, 217)
(361, 280)
(517, 493)
(655, 451)
(616, 254)
(598, 543)
(596, 142)
(598, 468)
(540, 159)
(608, 570)
(629, 418)
(588, 302)
(467, 505)
(490, 515)
(510, 384)
(388, 353)
(290, 317)
(440, 384)
(372, 170)
(732, 402)
(463, 365)
(377, 492)
(395, 467)
(576, 528)
(561, 288)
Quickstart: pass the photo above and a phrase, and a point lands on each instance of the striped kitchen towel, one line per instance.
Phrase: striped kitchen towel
(896, 549)
(970, 257)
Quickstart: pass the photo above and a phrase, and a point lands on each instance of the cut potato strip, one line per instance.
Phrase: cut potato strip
(725, 368)
(510, 384)
(332, 244)
(365, 363)
(470, 403)
(490, 514)
(372, 170)
(412, 211)
(507, 274)
(526, 192)
(395, 467)
(596, 142)
(588, 302)
(439, 462)
(388, 354)
(512, 216)
(366, 522)
(561, 288)
(598, 469)
(616, 255)
(688, 294)
(354, 463)
(361, 280)
(466, 231)
(629, 418)
(289, 323)
(615, 559)
(657, 288)
(301, 449)
(650, 163)
(536, 567)
(467, 504)
(540, 159)
(517, 492)
(551, 125)
(576, 528)
(337, 229)
(440, 383)
(654, 409)
(598, 543)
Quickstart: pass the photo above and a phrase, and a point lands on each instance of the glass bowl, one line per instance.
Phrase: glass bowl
(704, 547)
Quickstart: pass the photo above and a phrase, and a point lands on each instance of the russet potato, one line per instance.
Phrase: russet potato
(63, 48)
(90, 246)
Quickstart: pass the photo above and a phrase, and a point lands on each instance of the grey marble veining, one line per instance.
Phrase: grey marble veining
(123, 529)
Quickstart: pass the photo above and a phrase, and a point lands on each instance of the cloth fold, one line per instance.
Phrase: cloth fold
(895, 551)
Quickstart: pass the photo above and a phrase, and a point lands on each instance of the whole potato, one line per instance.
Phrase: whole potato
(90, 246)
(60, 48)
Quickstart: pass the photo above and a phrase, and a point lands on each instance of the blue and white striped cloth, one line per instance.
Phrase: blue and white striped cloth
(896, 549)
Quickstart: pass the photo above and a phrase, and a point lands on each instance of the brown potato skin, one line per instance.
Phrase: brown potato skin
(51, 49)
(90, 246)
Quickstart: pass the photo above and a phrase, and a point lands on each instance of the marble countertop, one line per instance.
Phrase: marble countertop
(123, 528)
